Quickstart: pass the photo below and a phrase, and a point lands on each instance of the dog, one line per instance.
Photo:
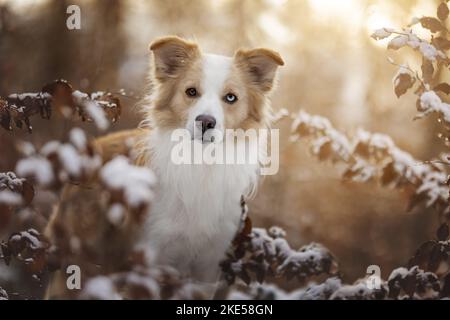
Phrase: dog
(196, 211)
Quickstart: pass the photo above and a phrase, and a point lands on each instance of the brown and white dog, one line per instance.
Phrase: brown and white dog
(196, 211)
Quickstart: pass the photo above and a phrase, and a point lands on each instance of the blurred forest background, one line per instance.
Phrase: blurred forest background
(333, 68)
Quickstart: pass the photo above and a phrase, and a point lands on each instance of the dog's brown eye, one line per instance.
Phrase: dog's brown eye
(191, 92)
(230, 98)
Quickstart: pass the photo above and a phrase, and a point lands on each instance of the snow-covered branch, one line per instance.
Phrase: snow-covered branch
(374, 157)
(99, 107)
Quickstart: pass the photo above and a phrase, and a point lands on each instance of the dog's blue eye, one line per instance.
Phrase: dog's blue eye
(191, 92)
(230, 98)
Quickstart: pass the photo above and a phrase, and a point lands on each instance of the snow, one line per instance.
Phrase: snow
(399, 272)
(3, 294)
(136, 182)
(10, 198)
(101, 288)
(381, 33)
(322, 291)
(428, 51)
(312, 255)
(96, 95)
(50, 147)
(70, 159)
(357, 291)
(79, 97)
(37, 167)
(280, 114)
(399, 41)
(92, 108)
(430, 102)
(368, 154)
(238, 295)
(268, 291)
(73, 162)
(413, 41)
(277, 232)
(433, 184)
(403, 69)
(323, 132)
(78, 138)
(31, 235)
(26, 148)
(116, 214)
(143, 280)
(97, 114)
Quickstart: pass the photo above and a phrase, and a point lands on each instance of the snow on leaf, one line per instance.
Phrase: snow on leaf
(100, 288)
(430, 102)
(97, 114)
(428, 51)
(78, 139)
(10, 198)
(403, 81)
(398, 42)
(36, 167)
(135, 182)
(381, 34)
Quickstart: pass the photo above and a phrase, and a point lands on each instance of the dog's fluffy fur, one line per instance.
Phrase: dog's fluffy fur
(196, 211)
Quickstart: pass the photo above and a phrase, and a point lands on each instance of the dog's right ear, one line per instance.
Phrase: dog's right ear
(171, 55)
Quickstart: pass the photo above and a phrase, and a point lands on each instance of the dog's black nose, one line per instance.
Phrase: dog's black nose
(208, 122)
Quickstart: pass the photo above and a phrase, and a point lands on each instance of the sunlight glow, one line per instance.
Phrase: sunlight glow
(378, 18)
(276, 3)
(21, 5)
(275, 29)
(349, 11)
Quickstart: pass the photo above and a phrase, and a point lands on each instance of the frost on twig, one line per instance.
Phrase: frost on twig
(413, 283)
(3, 294)
(99, 107)
(373, 156)
(14, 192)
(267, 253)
(403, 283)
(28, 247)
(433, 255)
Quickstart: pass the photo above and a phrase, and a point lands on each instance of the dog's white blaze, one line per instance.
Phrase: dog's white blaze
(215, 71)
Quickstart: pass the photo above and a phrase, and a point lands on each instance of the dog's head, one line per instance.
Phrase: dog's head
(198, 91)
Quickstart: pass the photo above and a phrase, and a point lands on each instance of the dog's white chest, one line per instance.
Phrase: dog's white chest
(195, 214)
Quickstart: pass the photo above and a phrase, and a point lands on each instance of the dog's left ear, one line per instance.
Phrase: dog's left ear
(260, 65)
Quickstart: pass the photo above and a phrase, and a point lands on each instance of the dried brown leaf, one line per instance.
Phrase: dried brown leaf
(442, 87)
(443, 232)
(432, 24)
(402, 83)
(442, 11)
(441, 43)
(427, 70)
